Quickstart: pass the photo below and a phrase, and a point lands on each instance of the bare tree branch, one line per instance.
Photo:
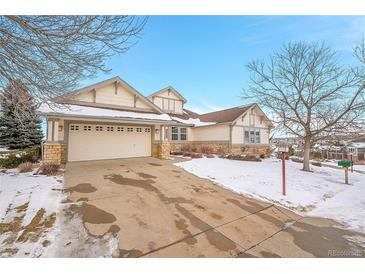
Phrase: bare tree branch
(52, 54)
(309, 93)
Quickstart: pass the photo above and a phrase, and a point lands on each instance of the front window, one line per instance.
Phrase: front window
(179, 133)
(174, 133)
(252, 136)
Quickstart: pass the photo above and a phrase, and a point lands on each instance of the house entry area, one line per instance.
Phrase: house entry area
(105, 141)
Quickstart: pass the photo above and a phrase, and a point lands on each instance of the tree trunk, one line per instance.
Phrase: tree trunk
(307, 148)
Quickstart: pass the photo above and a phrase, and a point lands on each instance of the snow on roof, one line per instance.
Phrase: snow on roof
(74, 110)
(196, 122)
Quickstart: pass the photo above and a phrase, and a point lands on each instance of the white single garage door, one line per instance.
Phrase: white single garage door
(97, 142)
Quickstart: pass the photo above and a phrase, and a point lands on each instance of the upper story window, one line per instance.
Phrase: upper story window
(179, 134)
(252, 136)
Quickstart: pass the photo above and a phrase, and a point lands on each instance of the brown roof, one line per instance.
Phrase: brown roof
(186, 114)
(225, 115)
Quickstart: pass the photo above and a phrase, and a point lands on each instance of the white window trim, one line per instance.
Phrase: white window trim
(254, 129)
(178, 134)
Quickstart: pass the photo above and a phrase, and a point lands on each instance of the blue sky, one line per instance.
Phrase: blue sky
(204, 57)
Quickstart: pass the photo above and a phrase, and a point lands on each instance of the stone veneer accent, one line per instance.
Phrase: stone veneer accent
(161, 150)
(252, 150)
(196, 145)
(54, 153)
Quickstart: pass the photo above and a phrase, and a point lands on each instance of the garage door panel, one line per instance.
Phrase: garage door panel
(98, 142)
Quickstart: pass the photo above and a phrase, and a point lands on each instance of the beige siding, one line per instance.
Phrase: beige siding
(61, 131)
(211, 133)
(158, 102)
(167, 94)
(251, 119)
(265, 136)
(169, 102)
(84, 97)
(107, 95)
(237, 135)
(178, 106)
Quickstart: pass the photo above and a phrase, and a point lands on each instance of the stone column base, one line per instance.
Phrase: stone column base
(54, 153)
(161, 150)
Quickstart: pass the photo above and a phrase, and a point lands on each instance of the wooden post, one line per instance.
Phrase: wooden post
(283, 172)
(346, 175)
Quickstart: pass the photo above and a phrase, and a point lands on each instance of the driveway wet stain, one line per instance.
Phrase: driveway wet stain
(272, 219)
(216, 216)
(146, 176)
(114, 229)
(267, 254)
(153, 164)
(82, 188)
(146, 184)
(83, 199)
(220, 241)
(92, 214)
(181, 225)
(251, 208)
(131, 253)
(321, 240)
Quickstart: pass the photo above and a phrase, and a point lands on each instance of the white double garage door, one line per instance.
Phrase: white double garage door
(100, 141)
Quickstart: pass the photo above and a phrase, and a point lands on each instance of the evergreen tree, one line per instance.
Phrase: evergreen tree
(20, 125)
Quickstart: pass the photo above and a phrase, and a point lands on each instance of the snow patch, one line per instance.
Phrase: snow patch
(319, 193)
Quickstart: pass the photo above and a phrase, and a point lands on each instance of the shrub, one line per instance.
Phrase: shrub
(251, 158)
(14, 159)
(194, 149)
(187, 154)
(210, 155)
(49, 169)
(25, 167)
(176, 153)
(10, 160)
(222, 151)
(206, 149)
(317, 164)
(186, 147)
(196, 155)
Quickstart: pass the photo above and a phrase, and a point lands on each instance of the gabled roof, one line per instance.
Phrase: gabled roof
(169, 88)
(225, 115)
(105, 83)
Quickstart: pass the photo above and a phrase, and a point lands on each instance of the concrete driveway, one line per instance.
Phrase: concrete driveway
(159, 210)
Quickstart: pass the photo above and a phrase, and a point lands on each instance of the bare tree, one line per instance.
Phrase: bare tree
(52, 54)
(309, 93)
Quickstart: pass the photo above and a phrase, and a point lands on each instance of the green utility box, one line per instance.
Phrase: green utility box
(344, 163)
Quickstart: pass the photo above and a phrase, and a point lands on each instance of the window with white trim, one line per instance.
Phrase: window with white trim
(252, 136)
(74, 127)
(129, 129)
(179, 133)
(98, 128)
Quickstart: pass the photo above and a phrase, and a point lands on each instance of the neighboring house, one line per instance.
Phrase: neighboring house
(111, 120)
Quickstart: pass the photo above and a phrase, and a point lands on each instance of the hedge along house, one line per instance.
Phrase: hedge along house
(112, 120)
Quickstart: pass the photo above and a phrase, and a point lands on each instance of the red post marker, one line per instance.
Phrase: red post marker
(283, 172)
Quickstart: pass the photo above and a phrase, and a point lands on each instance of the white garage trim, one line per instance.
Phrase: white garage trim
(99, 141)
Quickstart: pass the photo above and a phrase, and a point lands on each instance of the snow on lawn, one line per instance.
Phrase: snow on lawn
(320, 193)
(35, 221)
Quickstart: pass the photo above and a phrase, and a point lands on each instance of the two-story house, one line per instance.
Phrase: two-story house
(111, 120)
